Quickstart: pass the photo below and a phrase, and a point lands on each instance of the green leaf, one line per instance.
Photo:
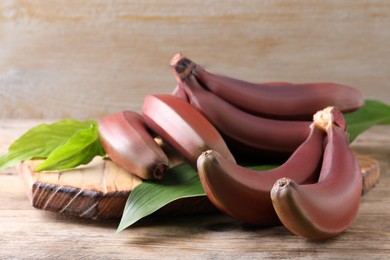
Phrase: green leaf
(181, 181)
(81, 148)
(40, 141)
(372, 113)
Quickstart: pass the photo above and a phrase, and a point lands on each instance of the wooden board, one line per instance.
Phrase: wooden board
(100, 189)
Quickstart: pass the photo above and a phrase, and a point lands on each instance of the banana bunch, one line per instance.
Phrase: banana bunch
(275, 100)
(326, 208)
(211, 120)
(270, 119)
(315, 193)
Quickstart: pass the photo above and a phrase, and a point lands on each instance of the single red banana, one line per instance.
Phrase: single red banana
(262, 134)
(243, 193)
(182, 126)
(126, 140)
(327, 208)
(280, 100)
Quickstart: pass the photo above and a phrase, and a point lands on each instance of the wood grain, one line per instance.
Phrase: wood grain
(86, 59)
(28, 233)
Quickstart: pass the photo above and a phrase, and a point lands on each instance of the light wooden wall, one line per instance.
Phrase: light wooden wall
(84, 59)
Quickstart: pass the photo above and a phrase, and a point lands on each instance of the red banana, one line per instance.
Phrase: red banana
(126, 140)
(261, 134)
(243, 193)
(327, 208)
(182, 126)
(278, 100)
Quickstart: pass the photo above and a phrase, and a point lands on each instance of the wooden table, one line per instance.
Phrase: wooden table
(101, 56)
(30, 233)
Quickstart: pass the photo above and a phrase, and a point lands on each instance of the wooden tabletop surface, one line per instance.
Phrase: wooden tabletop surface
(84, 59)
(30, 233)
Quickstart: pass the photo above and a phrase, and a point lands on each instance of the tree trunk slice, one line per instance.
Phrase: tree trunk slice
(370, 171)
(96, 191)
(100, 189)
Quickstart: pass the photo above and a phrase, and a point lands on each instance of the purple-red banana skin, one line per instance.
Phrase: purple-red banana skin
(243, 193)
(327, 208)
(262, 134)
(182, 126)
(275, 100)
(126, 140)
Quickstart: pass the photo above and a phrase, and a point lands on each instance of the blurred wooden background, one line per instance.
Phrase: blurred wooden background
(84, 59)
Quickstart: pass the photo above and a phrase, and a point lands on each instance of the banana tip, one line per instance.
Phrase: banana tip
(207, 153)
(281, 183)
(178, 56)
(182, 66)
(205, 156)
(160, 170)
